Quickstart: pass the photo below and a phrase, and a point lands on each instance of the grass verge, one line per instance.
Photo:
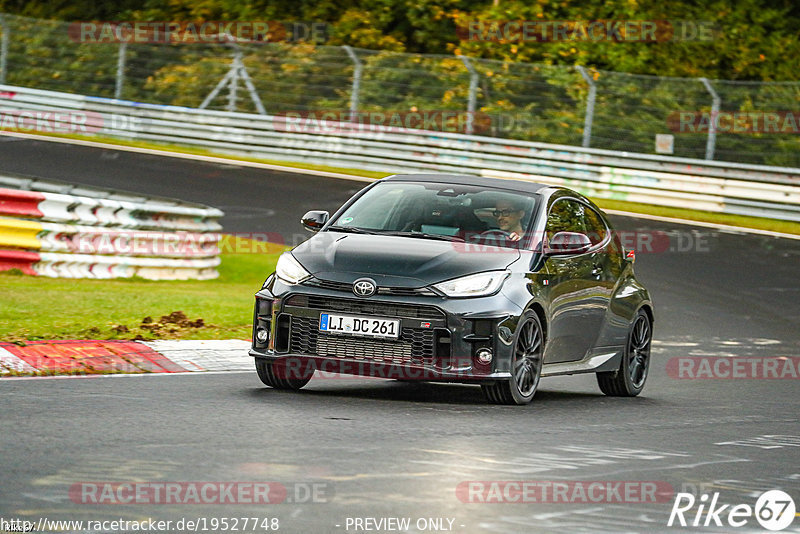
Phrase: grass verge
(35, 307)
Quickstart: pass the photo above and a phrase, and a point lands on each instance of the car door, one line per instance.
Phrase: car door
(579, 284)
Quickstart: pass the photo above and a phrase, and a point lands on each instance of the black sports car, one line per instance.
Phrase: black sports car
(459, 279)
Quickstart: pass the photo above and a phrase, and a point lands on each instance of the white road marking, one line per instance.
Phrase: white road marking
(118, 375)
(206, 355)
(12, 362)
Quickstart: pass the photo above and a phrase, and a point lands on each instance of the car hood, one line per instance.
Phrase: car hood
(394, 261)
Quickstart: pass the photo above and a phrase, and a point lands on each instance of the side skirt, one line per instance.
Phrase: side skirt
(599, 360)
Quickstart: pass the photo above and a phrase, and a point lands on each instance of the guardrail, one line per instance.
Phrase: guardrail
(754, 190)
(61, 230)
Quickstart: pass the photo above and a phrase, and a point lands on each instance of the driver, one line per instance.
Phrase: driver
(509, 214)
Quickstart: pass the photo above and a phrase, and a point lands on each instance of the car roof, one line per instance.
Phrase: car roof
(464, 179)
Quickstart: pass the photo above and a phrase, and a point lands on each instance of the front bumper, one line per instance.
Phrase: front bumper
(438, 342)
(295, 365)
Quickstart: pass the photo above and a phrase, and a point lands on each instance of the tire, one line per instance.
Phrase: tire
(275, 375)
(526, 365)
(629, 379)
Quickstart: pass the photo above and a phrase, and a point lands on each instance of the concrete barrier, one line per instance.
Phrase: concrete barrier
(49, 232)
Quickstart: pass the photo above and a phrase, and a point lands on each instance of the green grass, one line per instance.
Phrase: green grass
(34, 308)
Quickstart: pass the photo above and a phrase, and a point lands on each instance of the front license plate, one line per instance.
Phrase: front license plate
(359, 326)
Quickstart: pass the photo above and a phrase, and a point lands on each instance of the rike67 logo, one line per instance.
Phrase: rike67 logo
(774, 510)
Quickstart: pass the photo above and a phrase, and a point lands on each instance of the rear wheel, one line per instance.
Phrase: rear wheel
(629, 379)
(526, 366)
(279, 375)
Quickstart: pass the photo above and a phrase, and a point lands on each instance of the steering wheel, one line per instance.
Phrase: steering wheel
(495, 235)
(495, 232)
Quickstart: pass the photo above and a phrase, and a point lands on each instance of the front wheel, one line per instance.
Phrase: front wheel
(526, 366)
(629, 379)
(279, 375)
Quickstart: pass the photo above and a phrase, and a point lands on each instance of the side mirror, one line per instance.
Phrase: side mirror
(314, 220)
(564, 243)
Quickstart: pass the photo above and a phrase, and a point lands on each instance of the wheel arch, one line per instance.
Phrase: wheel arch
(537, 308)
(648, 309)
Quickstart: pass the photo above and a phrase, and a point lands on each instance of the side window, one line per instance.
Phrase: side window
(595, 227)
(565, 216)
(571, 216)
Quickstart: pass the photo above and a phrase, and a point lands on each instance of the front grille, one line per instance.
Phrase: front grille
(365, 307)
(396, 291)
(414, 346)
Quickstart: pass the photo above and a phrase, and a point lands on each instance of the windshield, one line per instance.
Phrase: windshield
(441, 211)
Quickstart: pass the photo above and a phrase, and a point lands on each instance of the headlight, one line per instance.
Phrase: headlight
(474, 285)
(289, 269)
(267, 281)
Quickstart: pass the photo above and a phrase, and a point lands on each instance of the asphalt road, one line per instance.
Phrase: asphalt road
(380, 449)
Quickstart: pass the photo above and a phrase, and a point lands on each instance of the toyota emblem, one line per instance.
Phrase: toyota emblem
(364, 287)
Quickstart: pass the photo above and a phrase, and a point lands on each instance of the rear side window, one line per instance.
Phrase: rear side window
(571, 216)
(595, 227)
(565, 216)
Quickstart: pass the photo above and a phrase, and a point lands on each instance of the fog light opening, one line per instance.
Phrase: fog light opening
(262, 335)
(484, 356)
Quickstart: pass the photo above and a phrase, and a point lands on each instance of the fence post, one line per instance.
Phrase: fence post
(4, 40)
(358, 67)
(589, 118)
(473, 94)
(248, 82)
(233, 87)
(231, 79)
(711, 142)
(123, 46)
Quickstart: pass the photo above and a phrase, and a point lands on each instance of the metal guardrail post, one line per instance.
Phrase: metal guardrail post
(358, 68)
(711, 142)
(4, 40)
(473, 94)
(123, 47)
(589, 118)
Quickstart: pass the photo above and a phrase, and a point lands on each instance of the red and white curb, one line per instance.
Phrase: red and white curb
(96, 357)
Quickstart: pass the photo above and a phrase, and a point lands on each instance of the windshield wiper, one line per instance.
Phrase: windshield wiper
(423, 235)
(351, 230)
